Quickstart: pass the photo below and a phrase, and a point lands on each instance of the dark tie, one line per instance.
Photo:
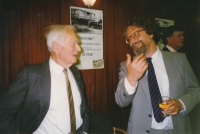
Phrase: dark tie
(154, 92)
(71, 104)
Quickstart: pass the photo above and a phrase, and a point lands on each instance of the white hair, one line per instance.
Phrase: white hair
(57, 33)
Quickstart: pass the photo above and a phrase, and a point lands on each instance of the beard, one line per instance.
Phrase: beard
(141, 49)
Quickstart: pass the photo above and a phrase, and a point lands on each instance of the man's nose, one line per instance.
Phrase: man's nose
(78, 48)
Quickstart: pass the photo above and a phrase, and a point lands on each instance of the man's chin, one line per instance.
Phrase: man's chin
(139, 51)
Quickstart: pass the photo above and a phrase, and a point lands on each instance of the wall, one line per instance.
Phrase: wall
(23, 43)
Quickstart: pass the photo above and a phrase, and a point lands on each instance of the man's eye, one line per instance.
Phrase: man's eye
(135, 34)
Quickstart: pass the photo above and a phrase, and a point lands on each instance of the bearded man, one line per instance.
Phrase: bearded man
(151, 74)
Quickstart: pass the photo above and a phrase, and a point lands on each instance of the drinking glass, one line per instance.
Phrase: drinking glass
(163, 104)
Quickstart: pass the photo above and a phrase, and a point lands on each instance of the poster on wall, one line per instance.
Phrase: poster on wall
(162, 24)
(89, 24)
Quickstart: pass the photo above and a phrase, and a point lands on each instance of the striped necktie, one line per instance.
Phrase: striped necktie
(71, 104)
(154, 92)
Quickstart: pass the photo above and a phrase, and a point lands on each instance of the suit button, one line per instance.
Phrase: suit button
(150, 115)
(147, 131)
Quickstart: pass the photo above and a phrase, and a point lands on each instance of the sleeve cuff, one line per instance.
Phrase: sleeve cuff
(184, 108)
(130, 89)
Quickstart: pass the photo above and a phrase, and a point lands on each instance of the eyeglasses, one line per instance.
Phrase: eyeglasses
(135, 35)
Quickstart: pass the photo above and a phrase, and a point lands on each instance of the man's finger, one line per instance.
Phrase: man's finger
(138, 58)
(128, 61)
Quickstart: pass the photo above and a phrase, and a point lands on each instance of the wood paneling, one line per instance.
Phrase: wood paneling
(22, 41)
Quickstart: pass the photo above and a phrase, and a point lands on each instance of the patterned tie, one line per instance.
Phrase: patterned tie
(154, 92)
(71, 104)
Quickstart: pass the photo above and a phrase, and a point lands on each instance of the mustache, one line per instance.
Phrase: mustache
(135, 43)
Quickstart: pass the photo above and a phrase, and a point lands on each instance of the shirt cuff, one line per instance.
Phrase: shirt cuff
(184, 108)
(130, 89)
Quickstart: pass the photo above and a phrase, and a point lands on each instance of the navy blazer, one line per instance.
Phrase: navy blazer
(24, 104)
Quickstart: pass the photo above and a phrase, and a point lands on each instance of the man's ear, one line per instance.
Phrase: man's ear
(55, 46)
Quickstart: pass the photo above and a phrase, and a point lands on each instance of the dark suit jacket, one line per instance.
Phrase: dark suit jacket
(165, 49)
(24, 104)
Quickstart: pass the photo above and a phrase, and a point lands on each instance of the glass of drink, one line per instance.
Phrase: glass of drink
(163, 104)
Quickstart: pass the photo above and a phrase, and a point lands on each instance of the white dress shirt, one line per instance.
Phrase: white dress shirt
(170, 48)
(57, 119)
(163, 83)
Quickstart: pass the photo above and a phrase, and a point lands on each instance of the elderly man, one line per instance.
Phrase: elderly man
(48, 98)
(142, 84)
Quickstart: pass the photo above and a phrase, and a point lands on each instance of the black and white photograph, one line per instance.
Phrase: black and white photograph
(87, 21)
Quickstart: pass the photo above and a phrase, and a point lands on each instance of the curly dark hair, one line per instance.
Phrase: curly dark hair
(147, 25)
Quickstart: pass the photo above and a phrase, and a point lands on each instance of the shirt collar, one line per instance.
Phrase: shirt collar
(55, 68)
(157, 55)
(170, 48)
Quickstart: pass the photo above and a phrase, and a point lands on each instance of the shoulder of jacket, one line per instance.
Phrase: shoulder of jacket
(35, 67)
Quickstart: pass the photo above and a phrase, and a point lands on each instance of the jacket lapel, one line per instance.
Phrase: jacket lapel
(145, 86)
(80, 86)
(45, 85)
(77, 78)
(171, 72)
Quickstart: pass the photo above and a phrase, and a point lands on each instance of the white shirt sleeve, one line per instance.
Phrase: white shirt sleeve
(130, 89)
